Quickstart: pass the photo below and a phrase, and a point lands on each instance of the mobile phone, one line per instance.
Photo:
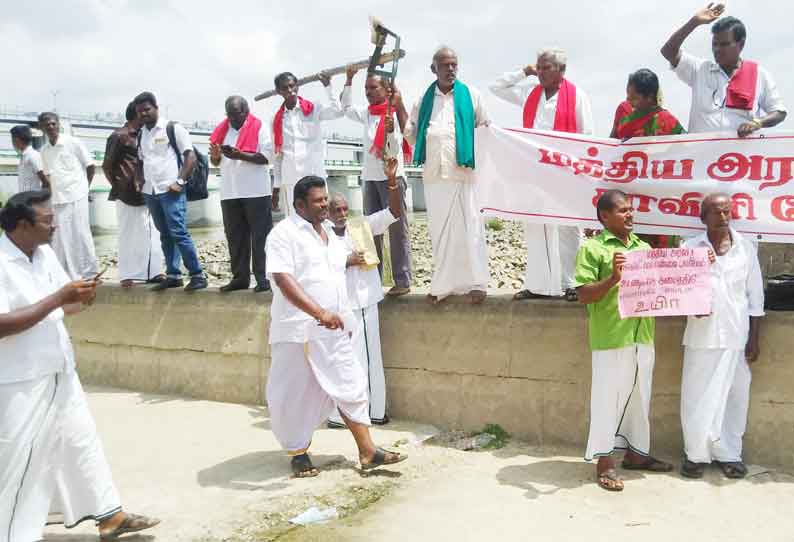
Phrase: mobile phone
(99, 275)
(226, 148)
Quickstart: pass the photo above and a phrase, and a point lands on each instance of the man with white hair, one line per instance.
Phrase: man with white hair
(715, 386)
(441, 127)
(551, 103)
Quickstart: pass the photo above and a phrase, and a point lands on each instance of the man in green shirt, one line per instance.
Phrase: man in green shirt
(623, 353)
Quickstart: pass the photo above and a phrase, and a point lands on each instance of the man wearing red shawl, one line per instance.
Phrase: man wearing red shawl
(299, 149)
(238, 145)
(729, 93)
(381, 139)
(553, 103)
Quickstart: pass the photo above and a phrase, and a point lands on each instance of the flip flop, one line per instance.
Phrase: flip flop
(302, 467)
(732, 469)
(610, 480)
(379, 459)
(571, 295)
(397, 291)
(690, 469)
(526, 294)
(650, 464)
(132, 524)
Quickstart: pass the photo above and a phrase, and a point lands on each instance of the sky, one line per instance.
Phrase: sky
(98, 54)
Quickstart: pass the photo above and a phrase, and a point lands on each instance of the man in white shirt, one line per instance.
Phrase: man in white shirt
(313, 368)
(457, 231)
(70, 169)
(729, 93)
(380, 138)
(297, 136)
(239, 145)
(365, 289)
(51, 458)
(30, 171)
(553, 103)
(715, 387)
(164, 190)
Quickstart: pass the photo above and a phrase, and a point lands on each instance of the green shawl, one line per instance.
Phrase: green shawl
(464, 125)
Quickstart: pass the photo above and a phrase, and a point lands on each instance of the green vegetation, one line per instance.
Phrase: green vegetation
(495, 224)
(501, 436)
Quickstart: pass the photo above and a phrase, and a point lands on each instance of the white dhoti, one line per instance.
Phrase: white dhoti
(366, 347)
(48, 447)
(72, 240)
(551, 258)
(715, 398)
(306, 382)
(457, 236)
(140, 251)
(620, 400)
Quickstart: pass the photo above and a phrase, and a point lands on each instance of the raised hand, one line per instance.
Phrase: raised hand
(530, 69)
(351, 71)
(325, 79)
(618, 260)
(710, 13)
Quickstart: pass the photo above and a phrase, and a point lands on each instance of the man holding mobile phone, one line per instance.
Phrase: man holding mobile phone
(49, 444)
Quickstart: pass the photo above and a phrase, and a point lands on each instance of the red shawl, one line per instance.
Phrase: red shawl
(247, 139)
(565, 118)
(278, 122)
(742, 87)
(379, 141)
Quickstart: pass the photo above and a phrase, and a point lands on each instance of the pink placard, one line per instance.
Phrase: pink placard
(665, 282)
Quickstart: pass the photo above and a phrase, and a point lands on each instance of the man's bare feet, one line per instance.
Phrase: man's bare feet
(477, 296)
(433, 300)
(127, 284)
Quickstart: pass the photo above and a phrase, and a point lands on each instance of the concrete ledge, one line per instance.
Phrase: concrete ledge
(523, 365)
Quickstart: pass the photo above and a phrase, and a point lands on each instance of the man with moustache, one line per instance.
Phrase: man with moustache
(622, 349)
(378, 136)
(553, 103)
(441, 127)
(238, 145)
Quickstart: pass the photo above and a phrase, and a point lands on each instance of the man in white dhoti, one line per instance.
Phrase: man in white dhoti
(297, 136)
(553, 103)
(51, 458)
(70, 169)
(715, 387)
(441, 126)
(313, 368)
(365, 288)
(623, 350)
(140, 251)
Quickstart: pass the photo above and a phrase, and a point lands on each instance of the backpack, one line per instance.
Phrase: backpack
(196, 183)
(780, 293)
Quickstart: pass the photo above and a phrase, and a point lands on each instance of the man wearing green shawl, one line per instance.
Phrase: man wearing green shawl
(441, 127)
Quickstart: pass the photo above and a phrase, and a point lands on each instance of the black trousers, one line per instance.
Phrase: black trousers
(247, 221)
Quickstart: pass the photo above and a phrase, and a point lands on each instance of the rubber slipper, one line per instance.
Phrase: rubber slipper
(650, 464)
(132, 523)
(379, 459)
(302, 467)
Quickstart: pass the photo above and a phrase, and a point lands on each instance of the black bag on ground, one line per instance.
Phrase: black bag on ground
(780, 293)
(196, 184)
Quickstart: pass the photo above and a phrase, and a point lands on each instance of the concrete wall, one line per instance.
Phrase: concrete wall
(523, 365)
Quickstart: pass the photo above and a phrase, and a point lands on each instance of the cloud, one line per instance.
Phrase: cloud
(100, 53)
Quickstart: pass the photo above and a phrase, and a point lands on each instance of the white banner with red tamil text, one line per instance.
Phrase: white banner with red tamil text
(556, 178)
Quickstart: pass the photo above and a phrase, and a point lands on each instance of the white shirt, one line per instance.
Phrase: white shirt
(303, 150)
(508, 88)
(241, 179)
(45, 348)
(160, 166)
(295, 248)
(738, 293)
(709, 85)
(30, 164)
(65, 163)
(363, 285)
(440, 161)
(372, 169)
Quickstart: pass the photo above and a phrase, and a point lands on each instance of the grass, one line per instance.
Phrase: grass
(495, 224)
(497, 431)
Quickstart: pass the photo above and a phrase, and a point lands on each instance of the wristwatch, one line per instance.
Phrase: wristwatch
(180, 182)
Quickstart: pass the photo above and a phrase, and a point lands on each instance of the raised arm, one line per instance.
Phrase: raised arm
(334, 108)
(506, 87)
(672, 49)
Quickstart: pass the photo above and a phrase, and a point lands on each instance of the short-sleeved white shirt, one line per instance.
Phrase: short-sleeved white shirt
(240, 179)
(738, 293)
(709, 85)
(295, 248)
(65, 163)
(363, 285)
(160, 166)
(45, 348)
(30, 164)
